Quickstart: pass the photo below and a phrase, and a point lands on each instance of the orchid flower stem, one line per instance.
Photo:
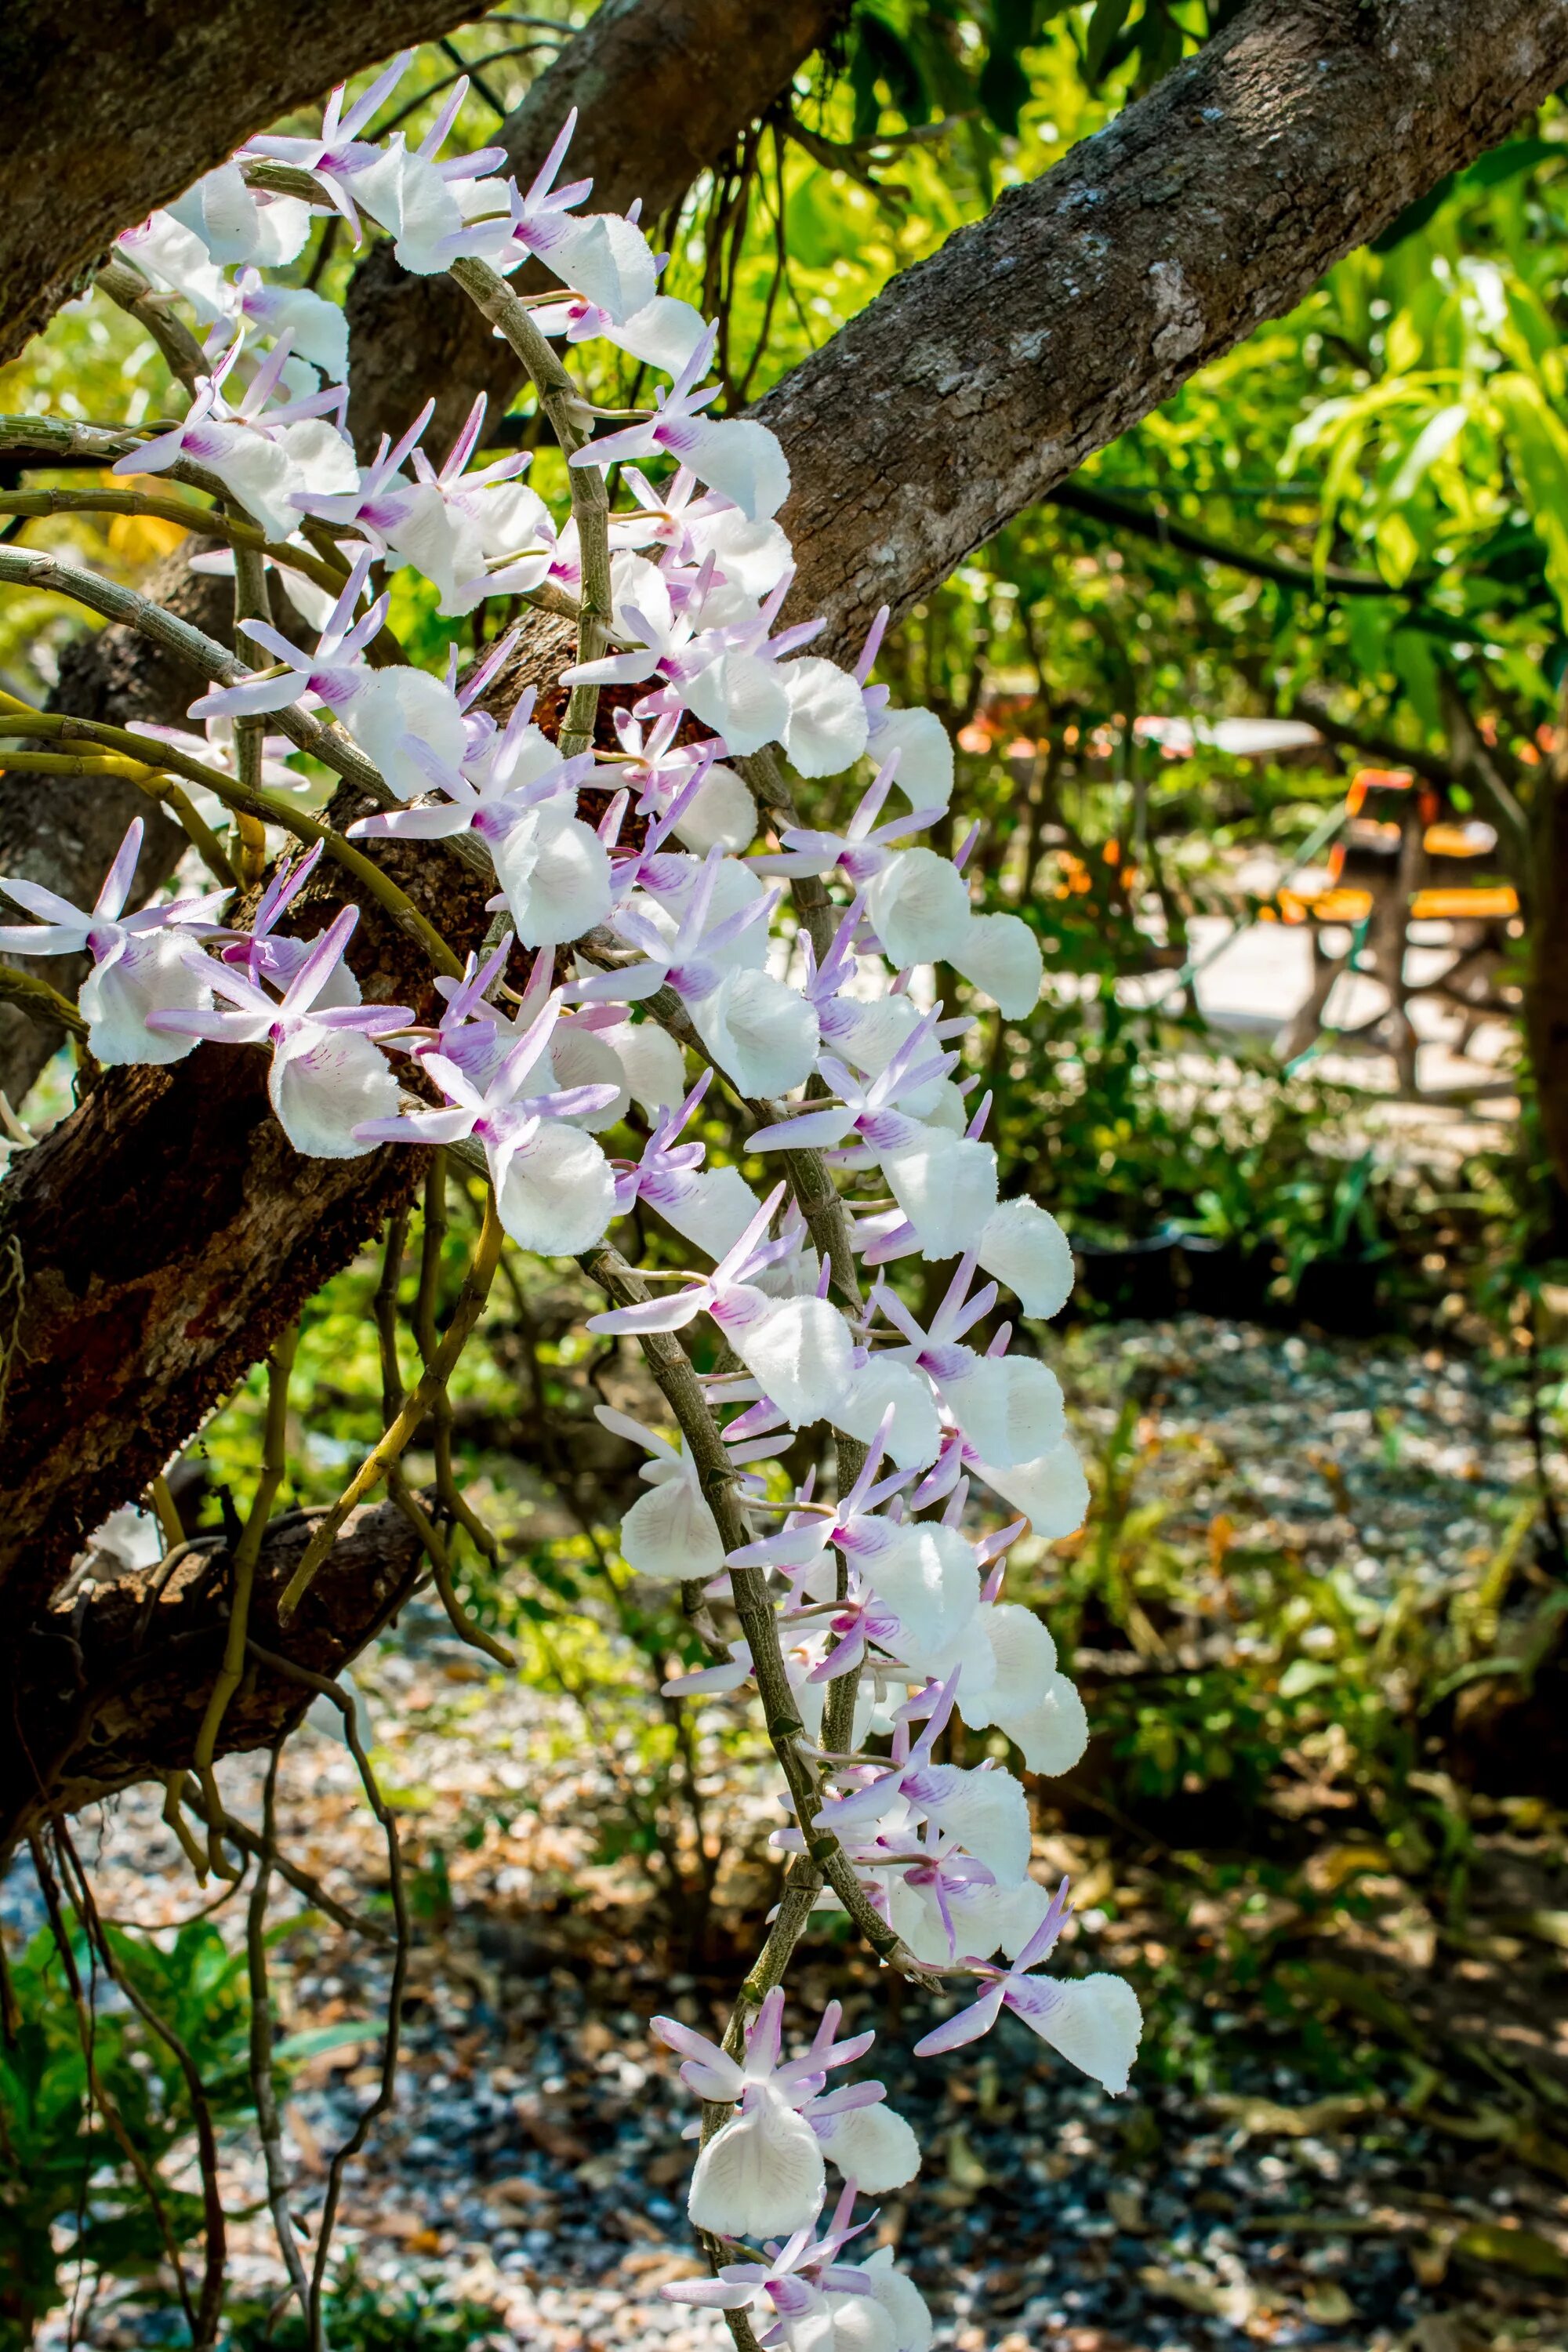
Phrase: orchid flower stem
(677, 1382)
(562, 404)
(240, 1835)
(125, 285)
(203, 522)
(63, 440)
(392, 1399)
(41, 1002)
(247, 1551)
(394, 1444)
(198, 831)
(269, 806)
(27, 567)
(263, 2089)
(174, 1819)
(820, 1202)
(817, 1196)
(424, 1333)
(157, 787)
(250, 603)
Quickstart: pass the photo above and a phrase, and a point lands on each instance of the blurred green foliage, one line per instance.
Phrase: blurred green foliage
(77, 2143)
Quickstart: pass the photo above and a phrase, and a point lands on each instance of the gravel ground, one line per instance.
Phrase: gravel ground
(533, 2165)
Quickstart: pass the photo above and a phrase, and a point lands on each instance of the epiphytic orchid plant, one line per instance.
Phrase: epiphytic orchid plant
(638, 957)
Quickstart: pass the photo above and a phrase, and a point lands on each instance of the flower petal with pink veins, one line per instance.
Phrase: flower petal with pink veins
(800, 1351)
(1022, 1245)
(761, 2176)
(323, 1083)
(1095, 2022)
(670, 1534)
(1052, 1492)
(558, 1193)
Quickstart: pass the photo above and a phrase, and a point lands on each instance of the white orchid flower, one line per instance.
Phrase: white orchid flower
(333, 674)
(799, 1349)
(1022, 1245)
(237, 224)
(735, 456)
(338, 151)
(1094, 2022)
(762, 1034)
(923, 1573)
(264, 457)
(986, 1811)
(711, 1207)
(751, 556)
(799, 2286)
(1037, 1707)
(918, 737)
(314, 328)
(554, 1189)
(757, 2176)
(173, 255)
(139, 961)
(271, 958)
(1000, 954)
(602, 255)
(663, 334)
(327, 1075)
(454, 526)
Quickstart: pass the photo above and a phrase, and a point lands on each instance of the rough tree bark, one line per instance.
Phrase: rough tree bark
(110, 111)
(983, 377)
(160, 1227)
(111, 1686)
(1033, 338)
(663, 89)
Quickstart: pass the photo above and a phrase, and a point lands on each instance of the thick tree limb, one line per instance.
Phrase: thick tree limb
(109, 1688)
(1168, 531)
(160, 1227)
(978, 381)
(663, 89)
(110, 111)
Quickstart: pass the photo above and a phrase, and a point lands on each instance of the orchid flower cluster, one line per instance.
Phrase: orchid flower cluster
(636, 963)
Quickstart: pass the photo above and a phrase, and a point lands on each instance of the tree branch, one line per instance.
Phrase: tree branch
(111, 1688)
(664, 89)
(1167, 530)
(108, 112)
(981, 379)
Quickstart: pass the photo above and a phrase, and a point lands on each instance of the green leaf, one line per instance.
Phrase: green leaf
(1538, 454)
(1304, 1674)
(1415, 218)
(1507, 162)
(1489, 2244)
(1428, 446)
(1108, 17)
(1003, 86)
(882, 53)
(1416, 667)
(347, 2031)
